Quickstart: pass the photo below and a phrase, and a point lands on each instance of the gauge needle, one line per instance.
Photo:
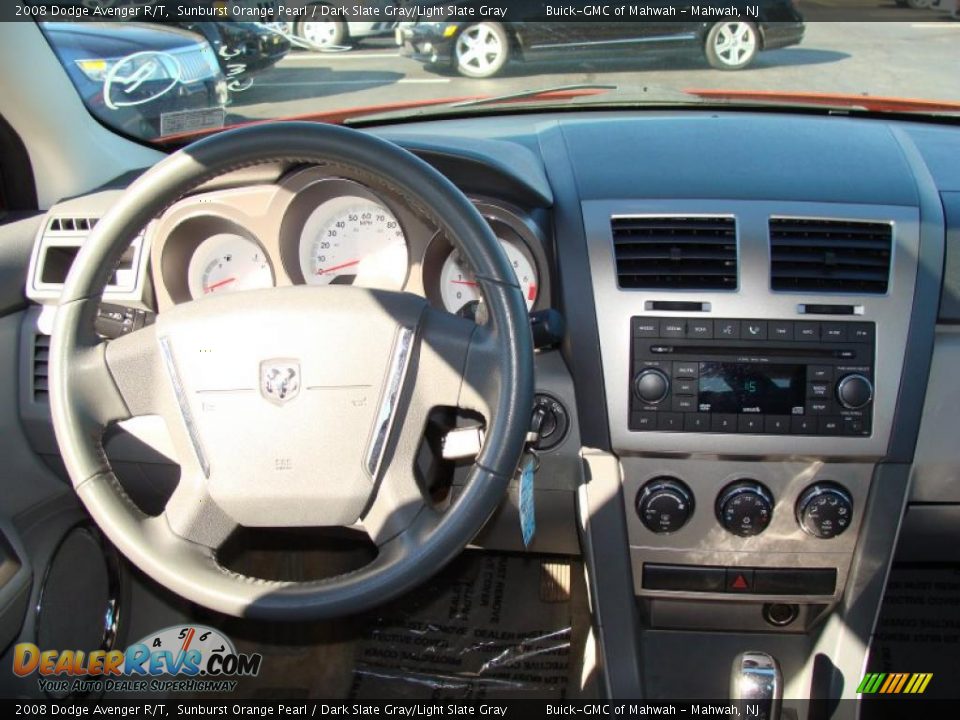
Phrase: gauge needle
(211, 288)
(324, 271)
(465, 282)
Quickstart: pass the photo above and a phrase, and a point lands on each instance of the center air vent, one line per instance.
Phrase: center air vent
(676, 253)
(827, 256)
(41, 362)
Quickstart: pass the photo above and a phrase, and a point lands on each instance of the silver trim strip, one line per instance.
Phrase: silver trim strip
(388, 403)
(166, 351)
(625, 41)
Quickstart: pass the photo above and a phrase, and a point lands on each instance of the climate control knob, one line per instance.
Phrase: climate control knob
(854, 392)
(664, 504)
(651, 385)
(825, 510)
(745, 507)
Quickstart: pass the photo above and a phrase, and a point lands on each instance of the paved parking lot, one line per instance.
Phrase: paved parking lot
(911, 58)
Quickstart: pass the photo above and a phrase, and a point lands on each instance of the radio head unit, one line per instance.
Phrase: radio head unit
(751, 376)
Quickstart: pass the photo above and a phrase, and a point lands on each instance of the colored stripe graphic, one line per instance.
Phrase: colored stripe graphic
(894, 683)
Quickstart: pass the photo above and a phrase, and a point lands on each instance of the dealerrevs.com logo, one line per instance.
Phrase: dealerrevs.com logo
(191, 658)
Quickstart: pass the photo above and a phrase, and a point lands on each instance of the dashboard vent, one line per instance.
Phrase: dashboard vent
(71, 225)
(676, 253)
(41, 363)
(842, 256)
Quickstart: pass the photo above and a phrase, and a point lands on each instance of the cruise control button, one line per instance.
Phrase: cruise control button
(807, 331)
(701, 329)
(781, 330)
(686, 370)
(672, 328)
(726, 329)
(753, 330)
(646, 328)
(723, 423)
(750, 424)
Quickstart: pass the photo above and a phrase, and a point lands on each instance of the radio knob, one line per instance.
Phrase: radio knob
(825, 510)
(651, 385)
(854, 392)
(745, 508)
(664, 504)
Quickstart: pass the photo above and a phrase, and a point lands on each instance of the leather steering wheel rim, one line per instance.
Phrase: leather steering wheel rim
(94, 383)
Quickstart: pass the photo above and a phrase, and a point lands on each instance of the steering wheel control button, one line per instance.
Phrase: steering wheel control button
(825, 510)
(664, 504)
(854, 392)
(652, 385)
(553, 421)
(745, 508)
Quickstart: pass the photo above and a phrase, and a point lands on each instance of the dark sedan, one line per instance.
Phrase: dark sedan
(729, 36)
(242, 48)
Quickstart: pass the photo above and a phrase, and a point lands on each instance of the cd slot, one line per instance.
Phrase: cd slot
(765, 350)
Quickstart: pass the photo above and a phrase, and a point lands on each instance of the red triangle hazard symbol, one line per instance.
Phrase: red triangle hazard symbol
(739, 583)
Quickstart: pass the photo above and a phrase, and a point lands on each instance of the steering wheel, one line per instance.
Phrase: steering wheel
(298, 406)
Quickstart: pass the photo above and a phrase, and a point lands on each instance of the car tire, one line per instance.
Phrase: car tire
(322, 34)
(481, 50)
(732, 44)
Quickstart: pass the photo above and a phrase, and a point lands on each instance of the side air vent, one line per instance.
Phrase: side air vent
(41, 363)
(64, 224)
(676, 253)
(830, 256)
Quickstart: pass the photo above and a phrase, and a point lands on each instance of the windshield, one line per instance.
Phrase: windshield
(166, 73)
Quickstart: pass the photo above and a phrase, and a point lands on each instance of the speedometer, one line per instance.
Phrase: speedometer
(458, 286)
(352, 240)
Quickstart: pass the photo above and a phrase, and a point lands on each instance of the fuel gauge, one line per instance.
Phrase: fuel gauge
(227, 262)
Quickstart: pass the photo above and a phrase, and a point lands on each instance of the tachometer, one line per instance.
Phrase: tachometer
(458, 286)
(227, 262)
(352, 240)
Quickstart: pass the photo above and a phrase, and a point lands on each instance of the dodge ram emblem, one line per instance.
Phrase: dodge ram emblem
(279, 380)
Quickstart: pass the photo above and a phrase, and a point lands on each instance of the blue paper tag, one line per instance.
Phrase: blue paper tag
(528, 521)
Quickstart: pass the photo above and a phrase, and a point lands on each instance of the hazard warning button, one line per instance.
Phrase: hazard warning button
(739, 580)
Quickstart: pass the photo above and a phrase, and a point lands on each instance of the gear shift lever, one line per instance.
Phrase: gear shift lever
(756, 681)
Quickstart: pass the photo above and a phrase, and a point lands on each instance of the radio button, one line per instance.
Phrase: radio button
(807, 331)
(684, 403)
(684, 387)
(669, 421)
(803, 425)
(646, 327)
(643, 421)
(726, 329)
(860, 332)
(696, 422)
(819, 407)
(835, 331)
(723, 423)
(753, 330)
(750, 424)
(702, 329)
(652, 385)
(830, 425)
(781, 330)
(672, 328)
(818, 390)
(854, 392)
(819, 372)
(853, 425)
(686, 370)
(777, 424)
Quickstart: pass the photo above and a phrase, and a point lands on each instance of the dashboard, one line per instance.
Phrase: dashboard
(314, 227)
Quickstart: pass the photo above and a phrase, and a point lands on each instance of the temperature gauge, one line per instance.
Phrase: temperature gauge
(458, 286)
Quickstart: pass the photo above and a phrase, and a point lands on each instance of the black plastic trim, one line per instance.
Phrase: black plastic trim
(950, 293)
(18, 188)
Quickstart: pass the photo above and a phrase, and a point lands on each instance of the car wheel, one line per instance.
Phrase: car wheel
(481, 50)
(323, 34)
(732, 45)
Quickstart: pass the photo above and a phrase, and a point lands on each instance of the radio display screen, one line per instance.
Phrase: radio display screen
(752, 388)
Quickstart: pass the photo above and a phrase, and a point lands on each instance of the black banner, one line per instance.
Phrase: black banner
(467, 10)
